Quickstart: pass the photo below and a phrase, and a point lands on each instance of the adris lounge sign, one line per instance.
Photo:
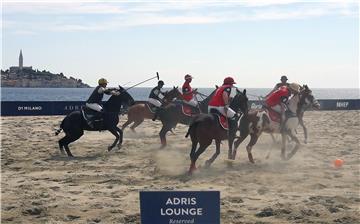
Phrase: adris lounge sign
(180, 207)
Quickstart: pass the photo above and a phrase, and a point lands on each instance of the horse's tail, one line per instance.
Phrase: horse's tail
(60, 129)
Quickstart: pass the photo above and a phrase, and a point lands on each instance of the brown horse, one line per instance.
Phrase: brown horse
(258, 121)
(205, 128)
(138, 112)
(172, 114)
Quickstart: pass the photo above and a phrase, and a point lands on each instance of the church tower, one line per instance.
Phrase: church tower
(20, 60)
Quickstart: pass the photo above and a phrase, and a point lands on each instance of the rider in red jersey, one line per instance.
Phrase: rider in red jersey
(277, 101)
(188, 92)
(221, 99)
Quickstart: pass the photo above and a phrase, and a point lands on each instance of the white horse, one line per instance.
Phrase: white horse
(264, 120)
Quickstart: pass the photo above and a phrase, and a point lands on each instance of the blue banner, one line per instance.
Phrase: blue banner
(35, 108)
(185, 207)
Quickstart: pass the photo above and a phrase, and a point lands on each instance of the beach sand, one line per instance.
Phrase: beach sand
(39, 185)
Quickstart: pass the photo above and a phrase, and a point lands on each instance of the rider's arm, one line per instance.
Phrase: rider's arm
(226, 97)
(273, 90)
(109, 91)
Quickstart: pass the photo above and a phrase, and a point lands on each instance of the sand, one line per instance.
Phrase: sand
(40, 185)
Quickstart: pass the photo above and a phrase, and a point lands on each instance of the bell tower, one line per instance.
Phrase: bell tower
(21, 60)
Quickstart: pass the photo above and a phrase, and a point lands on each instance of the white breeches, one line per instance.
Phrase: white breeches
(94, 106)
(276, 108)
(193, 102)
(155, 102)
(230, 112)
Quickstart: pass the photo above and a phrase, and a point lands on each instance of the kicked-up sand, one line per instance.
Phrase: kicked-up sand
(40, 185)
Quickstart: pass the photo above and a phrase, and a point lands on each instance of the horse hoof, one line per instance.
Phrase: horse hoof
(119, 146)
(109, 148)
(207, 164)
(250, 157)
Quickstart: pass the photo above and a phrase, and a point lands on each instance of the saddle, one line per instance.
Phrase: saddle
(151, 107)
(276, 117)
(92, 116)
(223, 121)
(189, 110)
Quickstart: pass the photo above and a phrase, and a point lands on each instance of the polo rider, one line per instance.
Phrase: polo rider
(277, 100)
(188, 92)
(156, 97)
(94, 101)
(221, 99)
(283, 82)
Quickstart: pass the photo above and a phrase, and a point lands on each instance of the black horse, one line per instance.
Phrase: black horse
(74, 123)
(205, 128)
(172, 114)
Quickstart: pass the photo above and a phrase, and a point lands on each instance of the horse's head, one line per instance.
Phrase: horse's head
(172, 94)
(116, 101)
(307, 99)
(240, 102)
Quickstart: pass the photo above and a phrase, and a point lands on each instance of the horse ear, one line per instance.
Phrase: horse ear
(216, 86)
(244, 91)
(177, 87)
(237, 90)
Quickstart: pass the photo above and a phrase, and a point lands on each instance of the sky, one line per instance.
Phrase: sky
(126, 42)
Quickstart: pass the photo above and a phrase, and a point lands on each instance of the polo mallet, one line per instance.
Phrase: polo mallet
(157, 76)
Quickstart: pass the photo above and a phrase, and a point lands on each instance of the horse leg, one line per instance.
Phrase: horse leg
(217, 152)
(194, 143)
(273, 138)
(71, 138)
(301, 122)
(120, 137)
(126, 124)
(162, 135)
(115, 133)
(253, 140)
(196, 155)
(283, 145)
(61, 145)
(136, 123)
(236, 145)
(297, 146)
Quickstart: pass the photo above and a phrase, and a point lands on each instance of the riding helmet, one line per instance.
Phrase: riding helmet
(161, 82)
(102, 81)
(284, 78)
(187, 77)
(229, 81)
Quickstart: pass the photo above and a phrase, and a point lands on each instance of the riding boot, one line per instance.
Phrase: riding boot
(232, 126)
(157, 111)
(91, 124)
(155, 114)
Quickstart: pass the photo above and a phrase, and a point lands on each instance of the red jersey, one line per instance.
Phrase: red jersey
(187, 91)
(217, 100)
(280, 95)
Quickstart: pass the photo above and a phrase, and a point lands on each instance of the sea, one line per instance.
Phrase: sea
(141, 93)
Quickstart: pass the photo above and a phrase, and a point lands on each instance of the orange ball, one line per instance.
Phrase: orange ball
(338, 163)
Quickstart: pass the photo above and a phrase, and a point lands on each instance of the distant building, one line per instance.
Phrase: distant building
(16, 69)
